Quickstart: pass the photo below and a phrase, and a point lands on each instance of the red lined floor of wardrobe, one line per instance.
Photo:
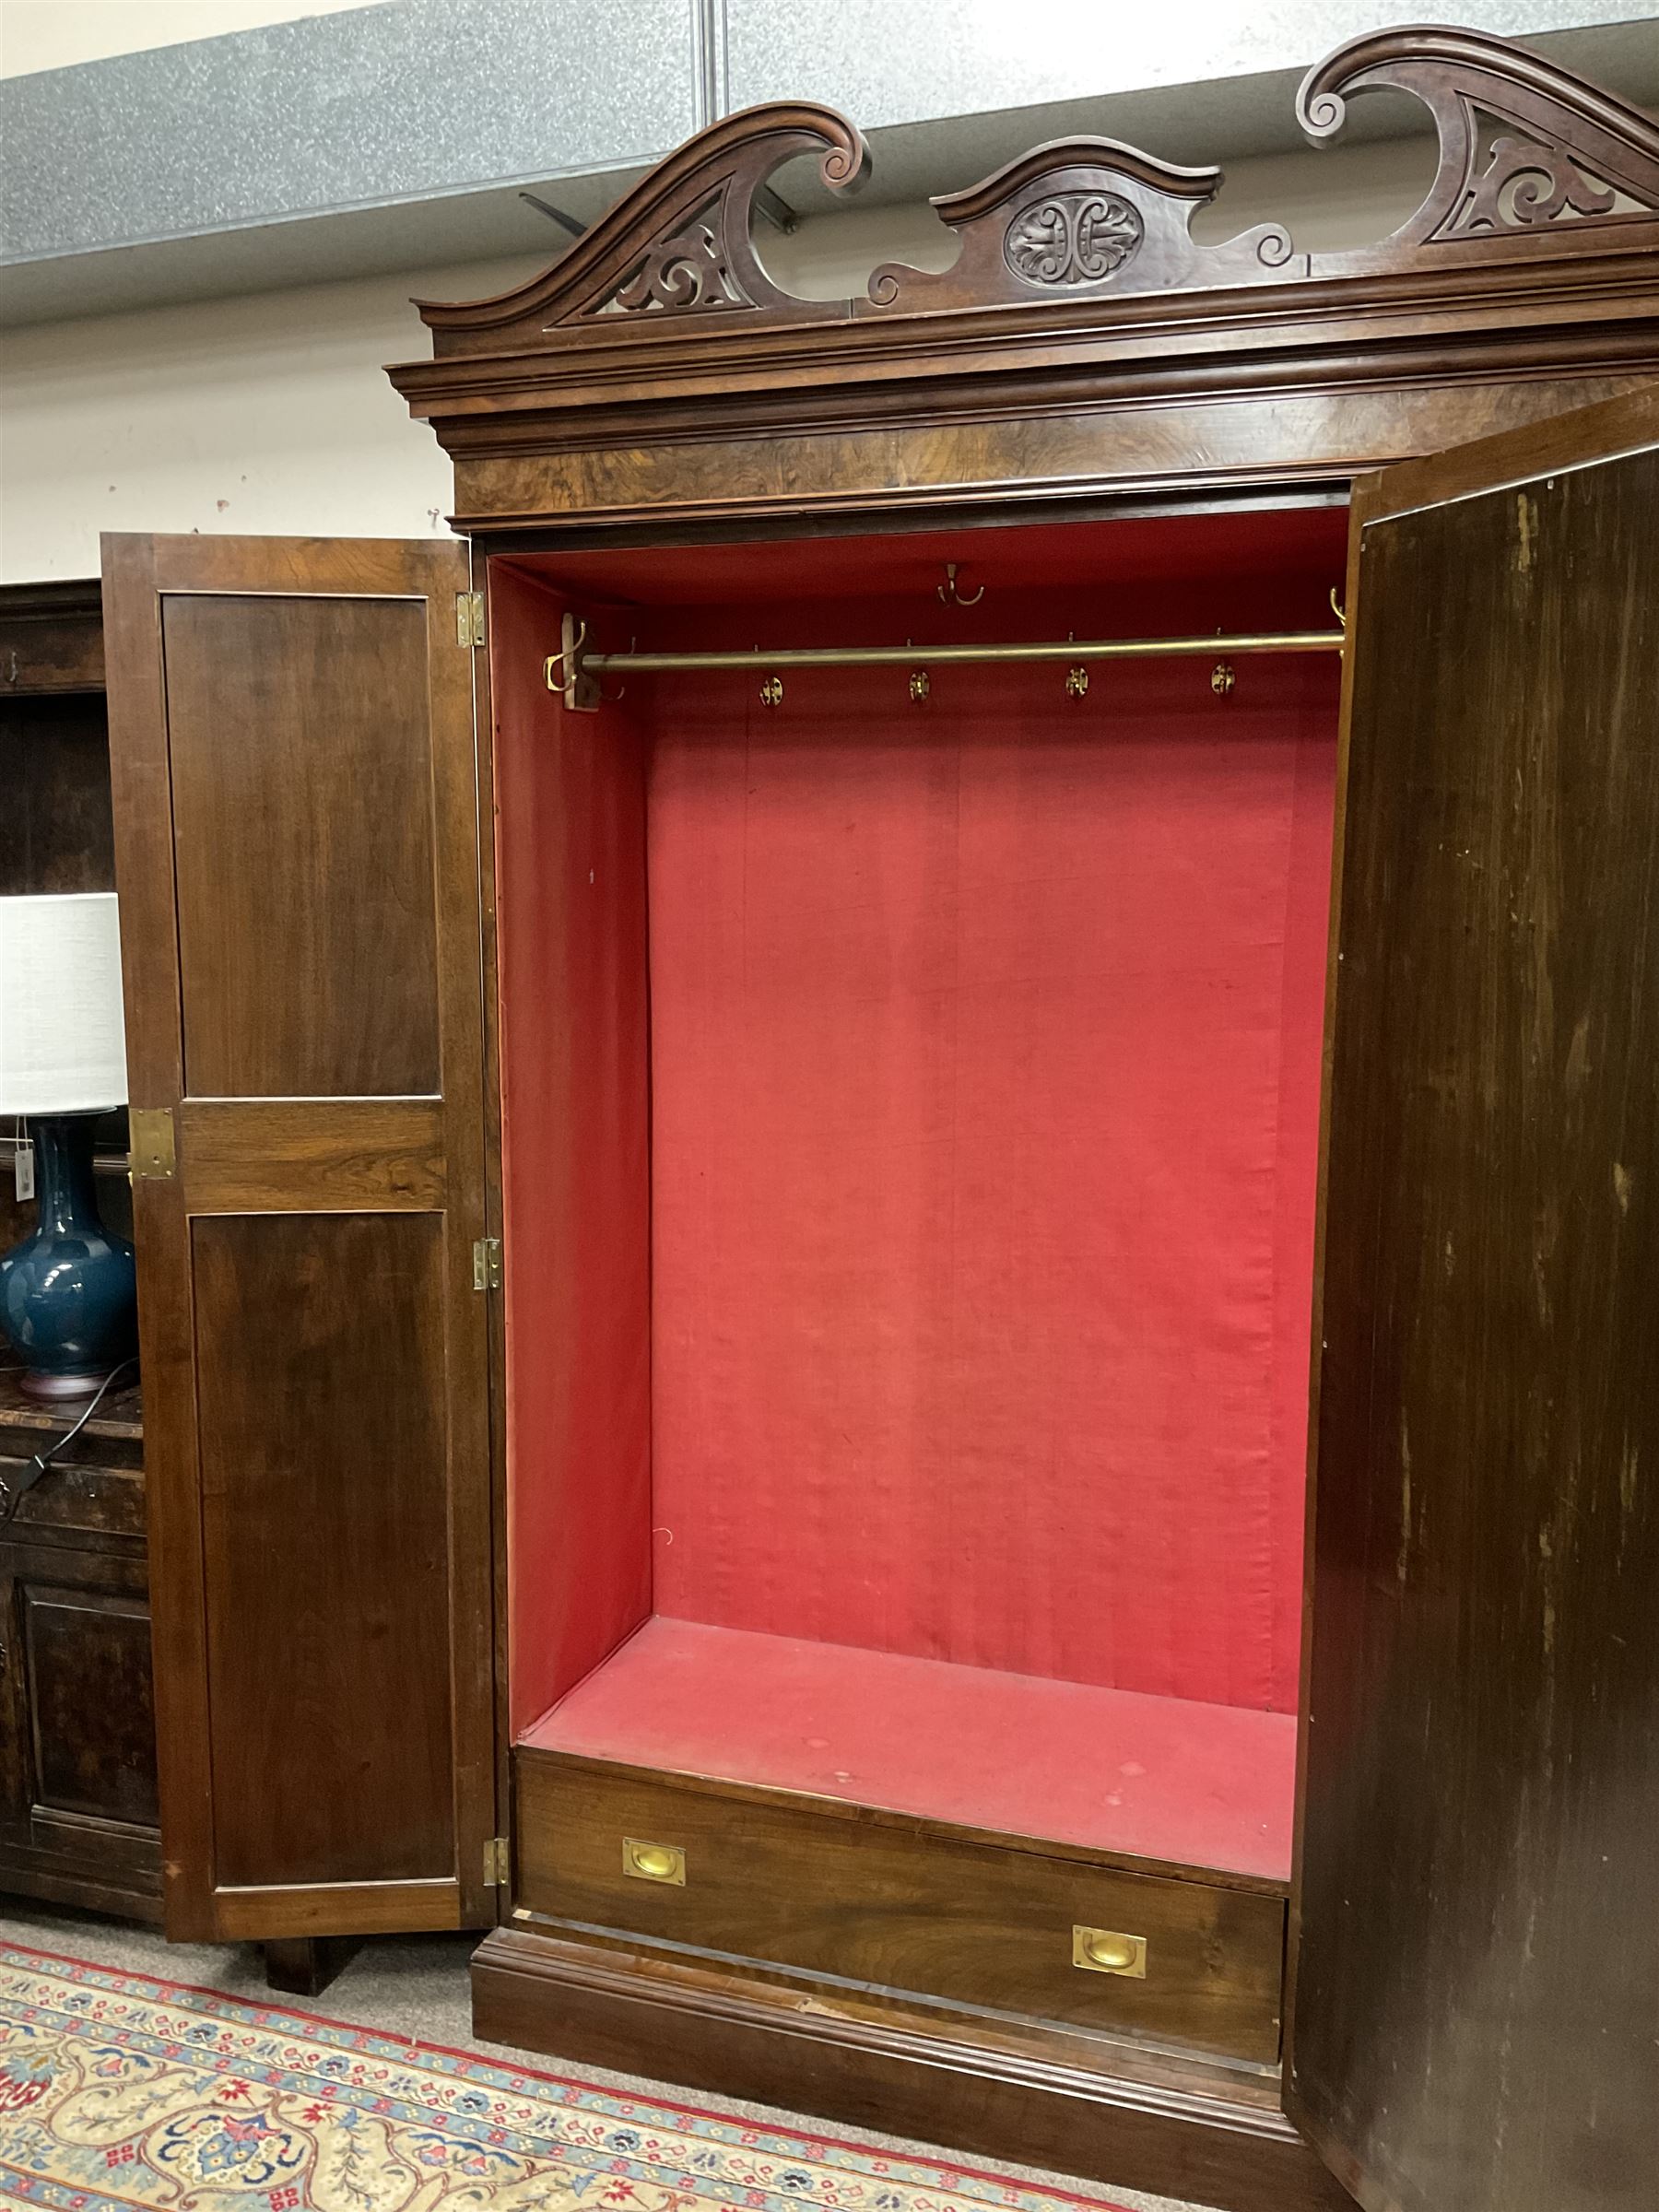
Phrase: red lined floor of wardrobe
(1166, 1779)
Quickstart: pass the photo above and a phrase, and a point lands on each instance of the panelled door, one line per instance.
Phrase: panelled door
(1474, 2019)
(291, 742)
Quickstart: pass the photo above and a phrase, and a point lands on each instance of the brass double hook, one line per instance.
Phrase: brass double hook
(951, 595)
(562, 670)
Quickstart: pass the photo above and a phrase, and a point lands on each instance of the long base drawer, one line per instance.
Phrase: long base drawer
(840, 1889)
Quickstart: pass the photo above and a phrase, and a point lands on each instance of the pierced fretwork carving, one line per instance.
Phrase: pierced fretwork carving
(1524, 146)
(693, 268)
(1525, 183)
(1082, 216)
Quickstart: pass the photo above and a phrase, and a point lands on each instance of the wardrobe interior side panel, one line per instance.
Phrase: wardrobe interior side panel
(569, 826)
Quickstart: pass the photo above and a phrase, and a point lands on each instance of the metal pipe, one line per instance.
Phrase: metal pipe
(867, 656)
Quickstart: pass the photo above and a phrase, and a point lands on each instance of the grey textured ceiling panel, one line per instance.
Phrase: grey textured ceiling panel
(921, 59)
(372, 106)
(399, 137)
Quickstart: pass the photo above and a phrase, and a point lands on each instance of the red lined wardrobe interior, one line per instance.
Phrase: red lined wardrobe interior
(910, 1117)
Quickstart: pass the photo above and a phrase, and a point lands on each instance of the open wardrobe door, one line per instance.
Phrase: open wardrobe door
(1474, 2010)
(292, 747)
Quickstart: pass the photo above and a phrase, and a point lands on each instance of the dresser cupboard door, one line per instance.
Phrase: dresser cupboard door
(1475, 2017)
(292, 749)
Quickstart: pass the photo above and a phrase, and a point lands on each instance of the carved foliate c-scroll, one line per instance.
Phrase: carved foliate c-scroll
(681, 242)
(1080, 217)
(1523, 146)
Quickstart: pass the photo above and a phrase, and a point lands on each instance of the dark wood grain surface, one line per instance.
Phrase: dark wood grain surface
(291, 748)
(321, 1434)
(303, 829)
(52, 636)
(879, 1903)
(78, 1747)
(1477, 1972)
(91, 1714)
(1106, 2111)
(56, 833)
(249, 1153)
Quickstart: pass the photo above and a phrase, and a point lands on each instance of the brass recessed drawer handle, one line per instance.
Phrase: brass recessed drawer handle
(1103, 1951)
(653, 1862)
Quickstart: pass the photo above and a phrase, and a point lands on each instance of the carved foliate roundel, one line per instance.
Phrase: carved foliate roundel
(1070, 237)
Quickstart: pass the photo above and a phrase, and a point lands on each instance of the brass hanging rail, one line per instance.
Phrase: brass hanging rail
(577, 672)
(888, 657)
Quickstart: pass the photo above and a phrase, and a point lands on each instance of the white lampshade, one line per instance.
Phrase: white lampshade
(62, 1049)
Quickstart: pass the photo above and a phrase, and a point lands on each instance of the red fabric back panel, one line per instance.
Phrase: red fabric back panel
(986, 1059)
(1163, 1778)
(571, 919)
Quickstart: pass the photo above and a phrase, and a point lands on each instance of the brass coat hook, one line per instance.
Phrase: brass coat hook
(1338, 608)
(609, 698)
(560, 671)
(949, 593)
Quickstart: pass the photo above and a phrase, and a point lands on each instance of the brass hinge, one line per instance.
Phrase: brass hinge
(150, 1134)
(469, 617)
(486, 1264)
(496, 1862)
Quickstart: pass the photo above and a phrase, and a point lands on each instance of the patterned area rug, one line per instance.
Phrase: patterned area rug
(118, 2092)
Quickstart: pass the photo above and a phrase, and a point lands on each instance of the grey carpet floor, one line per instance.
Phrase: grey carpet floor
(413, 1985)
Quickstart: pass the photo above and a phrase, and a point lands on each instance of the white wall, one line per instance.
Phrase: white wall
(271, 414)
(265, 414)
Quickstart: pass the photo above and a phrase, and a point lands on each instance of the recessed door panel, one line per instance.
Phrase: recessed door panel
(300, 752)
(320, 1348)
(86, 1664)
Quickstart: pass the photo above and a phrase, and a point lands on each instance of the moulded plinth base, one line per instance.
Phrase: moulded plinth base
(972, 2084)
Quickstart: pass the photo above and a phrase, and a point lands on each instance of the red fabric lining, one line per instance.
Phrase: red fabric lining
(985, 1051)
(575, 1116)
(1192, 555)
(1161, 1778)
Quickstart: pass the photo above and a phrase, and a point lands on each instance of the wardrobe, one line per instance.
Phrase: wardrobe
(902, 1302)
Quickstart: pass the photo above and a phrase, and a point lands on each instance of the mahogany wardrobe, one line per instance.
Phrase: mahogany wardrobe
(774, 1069)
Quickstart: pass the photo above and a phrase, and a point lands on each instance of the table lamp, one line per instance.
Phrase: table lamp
(67, 1293)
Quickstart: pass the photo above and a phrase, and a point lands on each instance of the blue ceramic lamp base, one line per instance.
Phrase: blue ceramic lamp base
(68, 1298)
